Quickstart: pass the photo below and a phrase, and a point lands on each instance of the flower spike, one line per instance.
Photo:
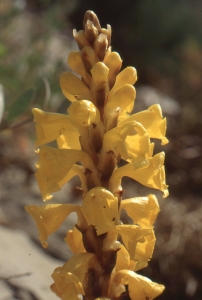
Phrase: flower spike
(100, 141)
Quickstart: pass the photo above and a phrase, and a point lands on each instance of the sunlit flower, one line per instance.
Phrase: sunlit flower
(71, 279)
(139, 287)
(49, 218)
(101, 142)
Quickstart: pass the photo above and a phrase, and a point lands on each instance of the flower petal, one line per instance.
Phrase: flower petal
(131, 235)
(150, 173)
(52, 126)
(74, 241)
(51, 169)
(153, 122)
(130, 141)
(139, 287)
(76, 170)
(76, 64)
(80, 38)
(89, 58)
(73, 88)
(122, 259)
(49, 218)
(126, 76)
(122, 101)
(99, 84)
(144, 251)
(142, 210)
(114, 62)
(100, 208)
(84, 113)
(71, 279)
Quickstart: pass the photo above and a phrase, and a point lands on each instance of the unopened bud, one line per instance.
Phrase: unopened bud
(89, 58)
(101, 45)
(114, 63)
(80, 38)
(108, 33)
(91, 31)
(91, 16)
(99, 84)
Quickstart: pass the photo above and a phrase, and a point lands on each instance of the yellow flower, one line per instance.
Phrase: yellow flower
(74, 241)
(52, 126)
(153, 122)
(100, 209)
(73, 88)
(139, 287)
(49, 218)
(52, 173)
(100, 142)
(72, 278)
(132, 235)
(142, 210)
(149, 172)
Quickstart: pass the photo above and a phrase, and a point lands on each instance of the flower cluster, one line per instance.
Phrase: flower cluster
(99, 141)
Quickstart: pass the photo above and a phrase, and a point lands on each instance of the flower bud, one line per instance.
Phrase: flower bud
(80, 38)
(108, 33)
(91, 16)
(76, 64)
(100, 46)
(99, 84)
(89, 58)
(83, 113)
(91, 31)
(114, 63)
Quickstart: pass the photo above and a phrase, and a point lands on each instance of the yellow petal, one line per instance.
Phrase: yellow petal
(142, 210)
(131, 235)
(150, 173)
(139, 287)
(99, 84)
(71, 279)
(144, 251)
(74, 241)
(49, 218)
(126, 76)
(114, 62)
(153, 122)
(67, 285)
(131, 141)
(89, 58)
(137, 144)
(52, 126)
(122, 259)
(100, 208)
(54, 165)
(76, 170)
(69, 139)
(76, 64)
(73, 88)
(67, 291)
(84, 113)
(154, 175)
(122, 101)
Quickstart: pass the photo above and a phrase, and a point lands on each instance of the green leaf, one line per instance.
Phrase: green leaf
(18, 107)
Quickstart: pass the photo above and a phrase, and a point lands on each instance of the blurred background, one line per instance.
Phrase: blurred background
(163, 41)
